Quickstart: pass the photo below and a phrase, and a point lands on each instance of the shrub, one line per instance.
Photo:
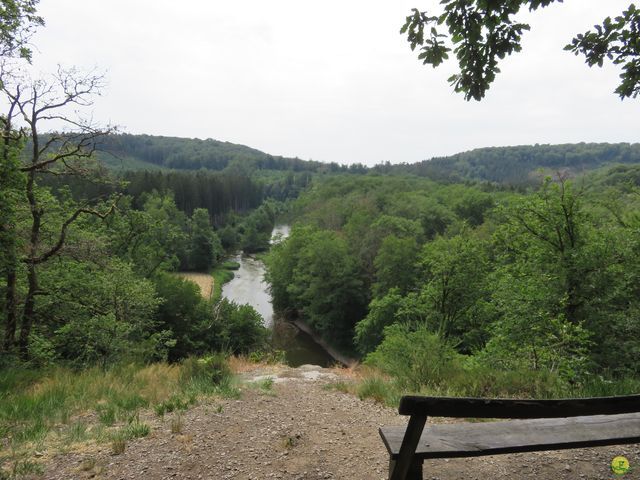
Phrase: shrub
(415, 358)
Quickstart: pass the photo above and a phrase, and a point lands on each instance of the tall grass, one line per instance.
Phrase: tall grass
(484, 383)
(33, 403)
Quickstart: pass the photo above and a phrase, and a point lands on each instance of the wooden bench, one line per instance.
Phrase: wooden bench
(549, 425)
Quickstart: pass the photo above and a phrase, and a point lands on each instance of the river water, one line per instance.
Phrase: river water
(248, 286)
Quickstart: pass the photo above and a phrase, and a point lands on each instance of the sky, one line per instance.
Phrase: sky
(332, 81)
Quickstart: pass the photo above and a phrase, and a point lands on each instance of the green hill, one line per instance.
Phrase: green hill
(521, 164)
(513, 165)
(147, 152)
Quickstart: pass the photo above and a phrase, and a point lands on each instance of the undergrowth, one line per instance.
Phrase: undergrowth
(484, 383)
(60, 406)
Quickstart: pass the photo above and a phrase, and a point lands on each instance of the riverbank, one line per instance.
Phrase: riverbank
(337, 356)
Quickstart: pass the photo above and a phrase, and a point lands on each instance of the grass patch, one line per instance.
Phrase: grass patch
(118, 445)
(341, 386)
(481, 382)
(77, 433)
(380, 390)
(177, 424)
(177, 402)
(22, 469)
(230, 265)
(220, 277)
(265, 386)
(270, 357)
(136, 429)
(40, 409)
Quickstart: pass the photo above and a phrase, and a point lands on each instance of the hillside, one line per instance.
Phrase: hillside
(513, 165)
(521, 164)
(266, 434)
(148, 152)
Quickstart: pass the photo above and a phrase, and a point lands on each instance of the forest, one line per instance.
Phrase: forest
(130, 152)
(474, 289)
(508, 275)
(523, 165)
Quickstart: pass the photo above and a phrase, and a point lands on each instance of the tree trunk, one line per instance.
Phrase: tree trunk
(29, 312)
(12, 310)
(9, 172)
(32, 274)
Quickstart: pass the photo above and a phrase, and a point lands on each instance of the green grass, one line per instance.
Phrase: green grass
(77, 432)
(136, 429)
(380, 390)
(220, 276)
(177, 402)
(485, 383)
(265, 386)
(230, 265)
(42, 407)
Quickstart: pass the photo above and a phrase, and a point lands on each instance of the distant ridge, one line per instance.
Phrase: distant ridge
(513, 165)
(139, 152)
(521, 164)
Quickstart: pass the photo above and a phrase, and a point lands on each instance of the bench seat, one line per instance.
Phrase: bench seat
(491, 438)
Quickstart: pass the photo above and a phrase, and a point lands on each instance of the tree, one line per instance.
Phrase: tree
(18, 21)
(106, 312)
(11, 186)
(546, 290)
(395, 265)
(205, 249)
(39, 103)
(549, 228)
(482, 32)
(382, 313)
(313, 272)
(150, 238)
(454, 287)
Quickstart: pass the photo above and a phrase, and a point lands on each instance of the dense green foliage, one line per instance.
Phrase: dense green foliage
(134, 151)
(250, 178)
(480, 33)
(541, 282)
(106, 297)
(244, 184)
(520, 165)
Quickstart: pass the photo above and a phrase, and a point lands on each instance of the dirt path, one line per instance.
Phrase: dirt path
(297, 428)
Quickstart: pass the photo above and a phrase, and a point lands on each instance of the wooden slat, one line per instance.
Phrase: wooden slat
(491, 438)
(508, 408)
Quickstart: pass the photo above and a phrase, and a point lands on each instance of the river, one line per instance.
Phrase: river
(248, 286)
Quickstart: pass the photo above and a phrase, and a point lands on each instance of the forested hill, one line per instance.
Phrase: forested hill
(140, 152)
(513, 165)
(521, 164)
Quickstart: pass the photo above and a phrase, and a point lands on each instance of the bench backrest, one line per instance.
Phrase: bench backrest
(513, 408)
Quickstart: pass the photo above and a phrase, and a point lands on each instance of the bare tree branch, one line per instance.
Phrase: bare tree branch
(65, 226)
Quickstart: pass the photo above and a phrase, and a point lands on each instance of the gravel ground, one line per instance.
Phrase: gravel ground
(299, 429)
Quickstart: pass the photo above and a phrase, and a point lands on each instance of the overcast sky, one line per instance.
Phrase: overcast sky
(328, 80)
